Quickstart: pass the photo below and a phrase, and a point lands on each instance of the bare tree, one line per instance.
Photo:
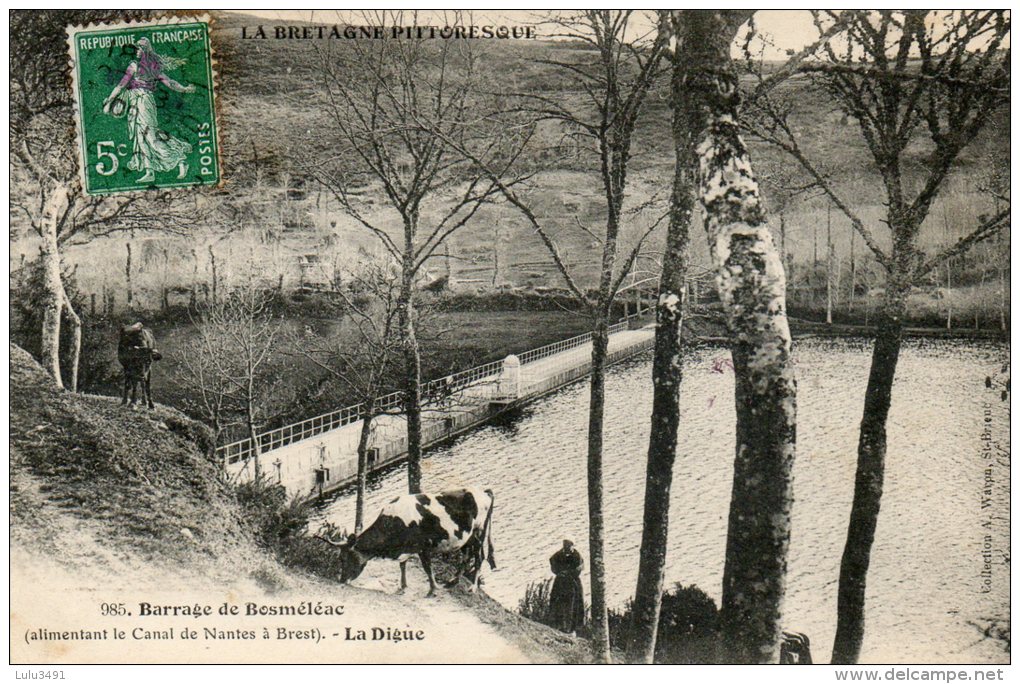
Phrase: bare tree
(46, 192)
(206, 388)
(667, 364)
(228, 366)
(616, 72)
(617, 78)
(902, 76)
(752, 287)
(376, 95)
(369, 299)
(712, 163)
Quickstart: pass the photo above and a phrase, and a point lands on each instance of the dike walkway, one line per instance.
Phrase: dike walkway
(319, 454)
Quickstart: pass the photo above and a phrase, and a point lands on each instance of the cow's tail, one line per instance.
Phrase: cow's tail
(488, 530)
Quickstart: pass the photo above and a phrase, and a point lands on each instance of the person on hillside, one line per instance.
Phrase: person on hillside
(566, 600)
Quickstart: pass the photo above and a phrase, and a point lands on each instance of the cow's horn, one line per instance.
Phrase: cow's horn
(329, 541)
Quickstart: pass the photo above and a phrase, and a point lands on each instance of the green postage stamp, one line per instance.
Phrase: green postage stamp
(144, 105)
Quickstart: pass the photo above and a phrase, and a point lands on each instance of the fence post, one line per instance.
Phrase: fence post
(510, 378)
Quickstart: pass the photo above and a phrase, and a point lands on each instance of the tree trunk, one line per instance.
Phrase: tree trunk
(366, 432)
(782, 238)
(949, 271)
(752, 288)
(448, 262)
(165, 289)
(53, 287)
(217, 427)
(412, 384)
(193, 298)
(1002, 296)
(596, 523)
(814, 244)
(256, 447)
(75, 339)
(828, 263)
(212, 268)
(853, 268)
(853, 570)
(830, 291)
(495, 253)
(667, 374)
(127, 275)
(253, 435)
(949, 294)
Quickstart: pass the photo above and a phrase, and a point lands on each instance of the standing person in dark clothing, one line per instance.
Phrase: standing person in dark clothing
(566, 600)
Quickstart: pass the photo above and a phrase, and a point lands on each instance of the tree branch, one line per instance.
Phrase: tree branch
(987, 229)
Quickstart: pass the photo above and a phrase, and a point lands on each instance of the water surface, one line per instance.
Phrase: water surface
(927, 598)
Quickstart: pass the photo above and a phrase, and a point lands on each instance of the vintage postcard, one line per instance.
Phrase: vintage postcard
(499, 337)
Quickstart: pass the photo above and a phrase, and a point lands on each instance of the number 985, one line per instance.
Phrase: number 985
(112, 609)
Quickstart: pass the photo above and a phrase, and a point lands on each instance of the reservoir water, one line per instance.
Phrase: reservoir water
(940, 564)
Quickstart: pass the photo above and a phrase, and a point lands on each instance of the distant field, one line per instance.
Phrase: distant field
(268, 94)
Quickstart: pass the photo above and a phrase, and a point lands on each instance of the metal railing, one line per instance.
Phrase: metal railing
(533, 355)
(432, 392)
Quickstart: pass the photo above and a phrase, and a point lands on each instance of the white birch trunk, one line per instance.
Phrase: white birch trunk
(53, 288)
(752, 288)
(75, 322)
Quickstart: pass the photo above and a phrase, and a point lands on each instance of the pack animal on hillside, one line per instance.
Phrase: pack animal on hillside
(136, 351)
(424, 525)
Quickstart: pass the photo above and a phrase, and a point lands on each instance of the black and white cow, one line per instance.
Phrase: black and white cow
(423, 525)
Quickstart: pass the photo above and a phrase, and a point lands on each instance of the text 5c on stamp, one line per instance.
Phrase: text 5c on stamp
(145, 106)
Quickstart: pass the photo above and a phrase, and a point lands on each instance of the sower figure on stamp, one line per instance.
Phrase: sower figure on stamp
(152, 149)
(566, 600)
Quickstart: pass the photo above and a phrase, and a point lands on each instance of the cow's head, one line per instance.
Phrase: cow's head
(352, 563)
(131, 335)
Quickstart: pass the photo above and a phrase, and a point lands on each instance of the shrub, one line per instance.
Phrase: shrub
(268, 513)
(280, 526)
(687, 626)
(27, 307)
(535, 603)
(687, 622)
(312, 555)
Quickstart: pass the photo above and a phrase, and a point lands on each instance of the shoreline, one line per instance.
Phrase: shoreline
(803, 328)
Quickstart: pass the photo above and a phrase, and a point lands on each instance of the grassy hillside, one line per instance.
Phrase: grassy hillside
(273, 123)
(108, 504)
(269, 94)
(138, 481)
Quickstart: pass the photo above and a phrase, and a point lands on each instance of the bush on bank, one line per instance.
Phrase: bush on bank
(687, 622)
(280, 525)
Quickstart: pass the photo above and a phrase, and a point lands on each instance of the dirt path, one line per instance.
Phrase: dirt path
(374, 627)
